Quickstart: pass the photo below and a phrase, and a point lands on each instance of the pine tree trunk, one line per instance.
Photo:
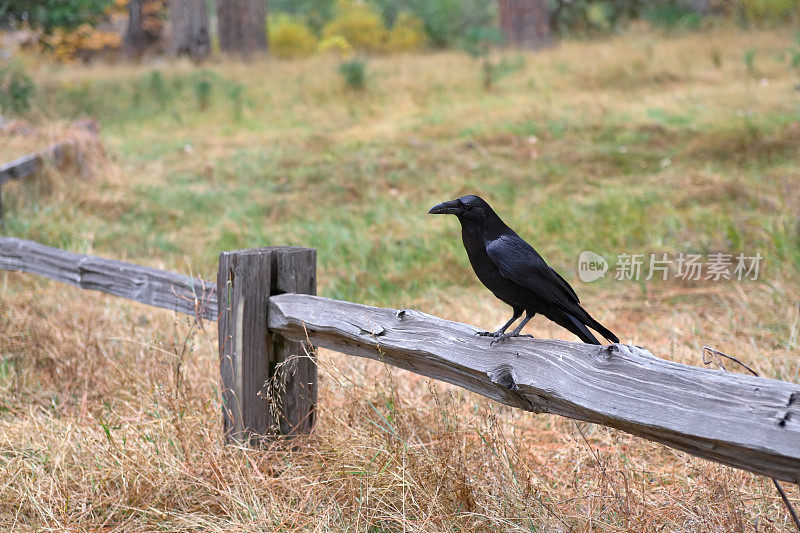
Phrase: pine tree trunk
(526, 23)
(242, 26)
(189, 20)
(135, 36)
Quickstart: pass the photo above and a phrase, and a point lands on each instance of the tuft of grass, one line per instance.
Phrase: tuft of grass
(749, 59)
(202, 86)
(157, 87)
(354, 73)
(236, 97)
(17, 90)
(716, 57)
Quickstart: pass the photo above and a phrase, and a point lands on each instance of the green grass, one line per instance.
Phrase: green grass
(619, 146)
(290, 157)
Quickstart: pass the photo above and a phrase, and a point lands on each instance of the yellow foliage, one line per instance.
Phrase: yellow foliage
(360, 25)
(407, 34)
(335, 43)
(290, 38)
(86, 41)
(153, 17)
(68, 45)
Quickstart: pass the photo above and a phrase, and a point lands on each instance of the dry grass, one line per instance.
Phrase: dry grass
(109, 414)
(108, 423)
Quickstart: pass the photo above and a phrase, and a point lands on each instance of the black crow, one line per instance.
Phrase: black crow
(516, 274)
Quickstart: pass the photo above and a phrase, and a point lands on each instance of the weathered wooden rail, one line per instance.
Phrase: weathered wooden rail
(742, 421)
(147, 285)
(32, 164)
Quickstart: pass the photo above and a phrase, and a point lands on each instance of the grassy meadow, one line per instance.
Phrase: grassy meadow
(109, 410)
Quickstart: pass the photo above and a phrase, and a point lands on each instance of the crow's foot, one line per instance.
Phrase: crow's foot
(506, 336)
(488, 333)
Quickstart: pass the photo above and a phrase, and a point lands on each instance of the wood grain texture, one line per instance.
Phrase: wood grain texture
(243, 282)
(737, 420)
(295, 271)
(147, 285)
(269, 385)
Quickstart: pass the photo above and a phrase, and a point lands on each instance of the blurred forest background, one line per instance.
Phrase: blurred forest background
(88, 29)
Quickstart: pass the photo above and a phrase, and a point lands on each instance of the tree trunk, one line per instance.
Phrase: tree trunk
(242, 26)
(189, 19)
(135, 36)
(525, 23)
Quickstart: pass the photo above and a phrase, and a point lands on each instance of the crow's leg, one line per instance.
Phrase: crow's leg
(515, 333)
(517, 314)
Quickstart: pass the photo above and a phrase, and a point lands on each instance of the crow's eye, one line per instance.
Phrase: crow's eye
(467, 206)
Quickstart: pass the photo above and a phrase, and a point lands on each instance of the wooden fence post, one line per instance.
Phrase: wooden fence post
(269, 383)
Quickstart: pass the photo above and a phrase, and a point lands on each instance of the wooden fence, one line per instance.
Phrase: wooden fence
(268, 316)
(30, 165)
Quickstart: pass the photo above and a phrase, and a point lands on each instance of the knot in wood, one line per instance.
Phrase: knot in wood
(606, 353)
(503, 375)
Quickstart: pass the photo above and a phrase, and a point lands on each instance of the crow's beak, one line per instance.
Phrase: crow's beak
(446, 208)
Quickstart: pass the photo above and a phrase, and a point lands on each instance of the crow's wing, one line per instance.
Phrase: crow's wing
(519, 262)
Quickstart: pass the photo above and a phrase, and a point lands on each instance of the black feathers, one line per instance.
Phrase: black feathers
(516, 274)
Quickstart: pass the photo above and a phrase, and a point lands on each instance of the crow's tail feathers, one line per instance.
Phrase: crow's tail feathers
(577, 325)
(601, 329)
(579, 329)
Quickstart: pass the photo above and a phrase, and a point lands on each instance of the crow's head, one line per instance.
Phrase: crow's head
(467, 208)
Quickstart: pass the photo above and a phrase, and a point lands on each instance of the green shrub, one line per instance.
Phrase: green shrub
(479, 41)
(354, 73)
(770, 10)
(315, 13)
(672, 15)
(601, 16)
(592, 16)
(441, 21)
(289, 37)
(51, 14)
(16, 90)
(359, 23)
(407, 34)
(446, 21)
